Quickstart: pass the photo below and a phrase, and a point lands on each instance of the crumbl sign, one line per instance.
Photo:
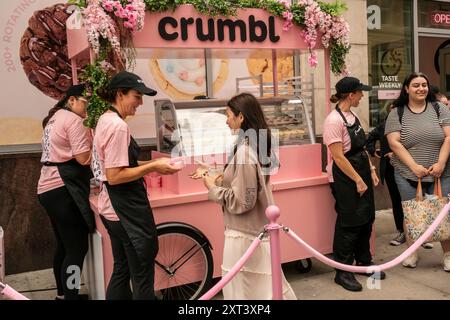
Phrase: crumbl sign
(253, 29)
(440, 18)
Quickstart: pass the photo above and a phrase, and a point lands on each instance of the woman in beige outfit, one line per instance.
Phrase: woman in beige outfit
(244, 192)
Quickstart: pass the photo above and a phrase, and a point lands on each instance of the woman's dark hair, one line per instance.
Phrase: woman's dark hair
(250, 108)
(62, 104)
(403, 99)
(111, 94)
(339, 96)
(76, 91)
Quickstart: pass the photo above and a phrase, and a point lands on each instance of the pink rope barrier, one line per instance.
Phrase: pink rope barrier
(10, 293)
(225, 279)
(380, 267)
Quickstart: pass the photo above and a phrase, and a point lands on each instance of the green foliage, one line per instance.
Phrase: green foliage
(80, 3)
(96, 79)
(336, 8)
(337, 56)
(299, 14)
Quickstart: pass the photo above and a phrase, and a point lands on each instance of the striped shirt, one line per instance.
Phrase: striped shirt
(422, 135)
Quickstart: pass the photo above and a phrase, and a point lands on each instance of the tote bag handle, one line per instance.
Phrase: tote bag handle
(437, 189)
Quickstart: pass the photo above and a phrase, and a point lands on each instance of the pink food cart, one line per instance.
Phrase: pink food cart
(191, 238)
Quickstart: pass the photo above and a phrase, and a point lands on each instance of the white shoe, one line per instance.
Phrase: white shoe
(446, 261)
(411, 261)
(427, 245)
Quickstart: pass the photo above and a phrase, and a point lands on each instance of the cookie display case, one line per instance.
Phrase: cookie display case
(195, 128)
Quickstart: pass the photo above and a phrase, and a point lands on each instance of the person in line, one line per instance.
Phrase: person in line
(352, 177)
(63, 187)
(244, 192)
(418, 132)
(123, 202)
(384, 153)
(439, 95)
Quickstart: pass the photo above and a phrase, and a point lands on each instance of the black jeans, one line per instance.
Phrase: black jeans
(71, 234)
(352, 243)
(395, 196)
(127, 266)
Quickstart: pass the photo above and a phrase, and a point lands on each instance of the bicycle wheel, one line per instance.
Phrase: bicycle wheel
(184, 265)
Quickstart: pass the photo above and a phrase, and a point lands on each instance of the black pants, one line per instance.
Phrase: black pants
(352, 243)
(395, 196)
(127, 266)
(71, 235)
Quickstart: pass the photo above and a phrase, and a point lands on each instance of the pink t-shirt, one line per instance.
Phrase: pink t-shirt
(110, 150)
(64, 137)
(335, 131)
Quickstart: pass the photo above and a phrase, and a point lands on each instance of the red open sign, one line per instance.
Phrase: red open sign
(440, 18)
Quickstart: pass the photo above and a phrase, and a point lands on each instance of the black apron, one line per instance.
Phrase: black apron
(131, 204)
(76, 178)
(352, 209)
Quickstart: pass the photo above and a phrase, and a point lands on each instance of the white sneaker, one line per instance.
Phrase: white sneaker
(411, 261)
(446, 261)
(427, 245)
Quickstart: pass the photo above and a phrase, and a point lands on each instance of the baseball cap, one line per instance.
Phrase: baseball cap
(125, 79)
(351, 84)
(75, 90)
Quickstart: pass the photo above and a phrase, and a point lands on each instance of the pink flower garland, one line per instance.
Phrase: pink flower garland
(330, 27)
(97, 24)
(132, 14)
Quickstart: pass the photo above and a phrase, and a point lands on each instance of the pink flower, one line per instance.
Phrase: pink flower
(312, 59)
(286, 3)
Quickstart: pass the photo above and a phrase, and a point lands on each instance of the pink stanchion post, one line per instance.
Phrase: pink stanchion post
(273, 213)
(10, 293)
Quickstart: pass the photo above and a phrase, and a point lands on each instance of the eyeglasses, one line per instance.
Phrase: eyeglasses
(82, 99)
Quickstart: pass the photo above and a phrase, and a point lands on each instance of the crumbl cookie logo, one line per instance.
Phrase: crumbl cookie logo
(253, 30)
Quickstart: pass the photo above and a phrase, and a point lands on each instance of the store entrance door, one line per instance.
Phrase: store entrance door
(434, 60)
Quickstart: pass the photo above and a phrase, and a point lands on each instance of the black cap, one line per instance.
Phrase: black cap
(125, 79)
(351, 84)
(75, 90)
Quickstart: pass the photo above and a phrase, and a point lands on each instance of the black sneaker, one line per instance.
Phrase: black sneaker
(376, 275)
(347, 280)
(398, 240)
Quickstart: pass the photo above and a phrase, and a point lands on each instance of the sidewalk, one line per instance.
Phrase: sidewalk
(427, 282)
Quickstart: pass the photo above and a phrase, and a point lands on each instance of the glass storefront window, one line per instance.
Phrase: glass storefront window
(390, 50)
(434, 14)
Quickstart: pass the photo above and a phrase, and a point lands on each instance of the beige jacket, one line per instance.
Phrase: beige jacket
(244, 194)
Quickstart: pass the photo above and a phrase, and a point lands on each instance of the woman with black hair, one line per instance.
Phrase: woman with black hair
(418, 132)
(244, 192)
(352, 177)
(63, 187)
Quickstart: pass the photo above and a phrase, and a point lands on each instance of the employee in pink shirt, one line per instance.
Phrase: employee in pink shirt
(63, 187)
(123, 203)
(351, 176)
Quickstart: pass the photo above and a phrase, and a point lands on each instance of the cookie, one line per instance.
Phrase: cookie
(186, 78)
(257, 66)
(43, 51)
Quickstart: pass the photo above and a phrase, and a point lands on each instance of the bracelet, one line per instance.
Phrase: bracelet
(373, 168)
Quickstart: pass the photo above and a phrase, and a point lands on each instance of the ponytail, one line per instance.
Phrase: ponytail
(338, 96)
(62, 104)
